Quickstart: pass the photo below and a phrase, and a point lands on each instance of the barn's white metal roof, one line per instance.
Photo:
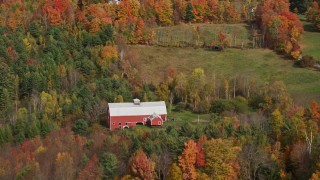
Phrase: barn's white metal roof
(130, 109)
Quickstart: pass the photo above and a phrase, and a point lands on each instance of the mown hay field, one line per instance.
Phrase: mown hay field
(202, 35)
(260, 65)
(310, 40)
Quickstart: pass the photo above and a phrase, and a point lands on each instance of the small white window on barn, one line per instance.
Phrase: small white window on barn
(159, 122)
(145, 119)
(126, 123)
(119, 123)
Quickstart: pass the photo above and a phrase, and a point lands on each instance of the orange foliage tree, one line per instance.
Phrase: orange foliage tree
(201, 10)
(107, 55)
(315, 110)
(58, 12)
(164, 12)
(94, 16)
(141, 166)
(188, 159)
(279, 25)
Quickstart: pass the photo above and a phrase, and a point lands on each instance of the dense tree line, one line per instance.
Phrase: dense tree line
(313, 14)
(280, 28)
(132, 18)
(300, 6)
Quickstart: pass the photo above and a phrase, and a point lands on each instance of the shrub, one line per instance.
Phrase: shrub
(255, 102)
(180, 107)
(221, 105)
(80, 127)
(204, 106)
(306, 61)
(238, 105)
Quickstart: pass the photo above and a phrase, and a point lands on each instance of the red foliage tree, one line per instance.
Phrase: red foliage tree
(201, 159)
(58, 12)
(223, 38)
(141, 166)
(213, 6)
(91, 170)
(139, 29)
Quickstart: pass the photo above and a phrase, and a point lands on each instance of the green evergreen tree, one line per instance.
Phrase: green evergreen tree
(3, 52)
(33, 128)
(301, 6)
(47, 125)
(106, 34)
(5, 104)
(34, 29)
(5, 134)
(80, 127)
(189, 13)
(148, 147)
(20, 127)
(109, 165)
(136, 143)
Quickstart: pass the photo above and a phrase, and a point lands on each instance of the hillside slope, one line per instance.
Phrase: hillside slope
(260, 64)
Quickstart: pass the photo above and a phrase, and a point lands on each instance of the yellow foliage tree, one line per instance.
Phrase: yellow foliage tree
(316, 175)
(295, 54)
(27, 44)
(202, 176)
(288, 47)
(64, 166)
(164, 11)
(277, 122)
(95, 25)
(107, 55)
(175, 172)
(50, 105)
(221, 157)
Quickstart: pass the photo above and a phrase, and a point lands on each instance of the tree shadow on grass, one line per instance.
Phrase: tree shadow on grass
(310, 28)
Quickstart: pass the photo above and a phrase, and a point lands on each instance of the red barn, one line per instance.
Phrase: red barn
(126, 115)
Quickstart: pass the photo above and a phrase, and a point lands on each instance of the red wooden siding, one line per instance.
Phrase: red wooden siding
(130, 121)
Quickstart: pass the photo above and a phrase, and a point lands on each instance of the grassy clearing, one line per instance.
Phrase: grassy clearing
(310, 39)
(179, 118)
(260, 64)
(176, 119)
(199, 35)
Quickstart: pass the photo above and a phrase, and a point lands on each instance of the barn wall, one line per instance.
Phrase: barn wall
(108, 117)
(130, 120)
(155, 122)
(164, 117)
